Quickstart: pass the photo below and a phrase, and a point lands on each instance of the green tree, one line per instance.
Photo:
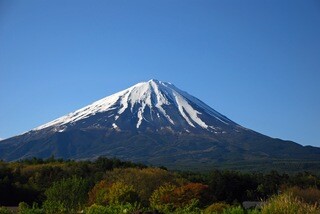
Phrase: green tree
(113, 194)
(144, 181)
(24, 208)
(113, 209)
(66, 196)
(168, 198)
(4, 210)
(288, 204)
(216, 208)
(189, 192)
(120, 193)
(98, 193)
(161, 199)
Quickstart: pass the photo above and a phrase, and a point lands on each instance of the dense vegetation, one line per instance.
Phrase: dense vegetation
(114, 186)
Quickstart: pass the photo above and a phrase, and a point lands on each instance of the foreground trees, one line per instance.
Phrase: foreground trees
(168, 198)
(66, 196)
(140, 181)
(287, 203)
(113, 193)
(113, 186)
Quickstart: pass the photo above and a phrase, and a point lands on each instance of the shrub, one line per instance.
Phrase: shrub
(234, 210)
(112, 209)
(24, 208)
(216, 208)
(55, 207)
(161, 199)
(67, 195)
(224, 208)
(96, 209)
(115, 193)
(192, 191)
(4, 210)
(309, 195)
(98, 192)
(255, 211)
(144, 181)
(191, 208)
(288, 204)
(120, 193)
(170, 197)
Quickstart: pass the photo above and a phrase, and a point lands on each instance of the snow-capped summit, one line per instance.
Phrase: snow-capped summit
(155, 123)
(151, 105)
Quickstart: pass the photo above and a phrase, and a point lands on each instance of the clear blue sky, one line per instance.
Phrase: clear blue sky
(257, 62)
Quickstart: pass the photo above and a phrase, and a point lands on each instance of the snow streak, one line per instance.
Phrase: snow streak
(155, 95)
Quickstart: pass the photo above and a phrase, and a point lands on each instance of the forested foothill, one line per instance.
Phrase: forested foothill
(113, 186)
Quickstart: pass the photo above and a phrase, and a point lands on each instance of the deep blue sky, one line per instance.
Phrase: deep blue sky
(257, 62)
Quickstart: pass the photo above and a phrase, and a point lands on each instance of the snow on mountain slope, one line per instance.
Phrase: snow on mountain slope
(148, 102)
(155, 123)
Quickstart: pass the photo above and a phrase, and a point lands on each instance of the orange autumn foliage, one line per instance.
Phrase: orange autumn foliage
(185, 194)
(97, 194)
(173, 196)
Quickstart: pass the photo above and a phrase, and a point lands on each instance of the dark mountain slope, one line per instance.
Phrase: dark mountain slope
(154, 123)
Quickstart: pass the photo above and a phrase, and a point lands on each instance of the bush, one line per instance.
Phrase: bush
(309, 195)
(24, 208)
(185, 194)
(255, 211)
(98, 192)
(234, 210)
(191, 208)
(224, 208)
(96, 209)
(116, 193)
(161, 199)
(144, 181)
(120, 193)
(216, 208)
(288, 204)
(55, 207)
(4, 210)
(67, 195)
(112, 209)
(170, 197)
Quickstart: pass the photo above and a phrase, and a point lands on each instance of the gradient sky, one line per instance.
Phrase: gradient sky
(257, 62)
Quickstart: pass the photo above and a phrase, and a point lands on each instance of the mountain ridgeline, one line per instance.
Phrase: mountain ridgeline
(156, 123)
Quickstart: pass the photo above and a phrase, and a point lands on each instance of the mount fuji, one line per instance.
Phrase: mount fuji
(152, 105)
(155, 123)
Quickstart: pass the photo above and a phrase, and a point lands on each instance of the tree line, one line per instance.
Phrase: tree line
(110, 185)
